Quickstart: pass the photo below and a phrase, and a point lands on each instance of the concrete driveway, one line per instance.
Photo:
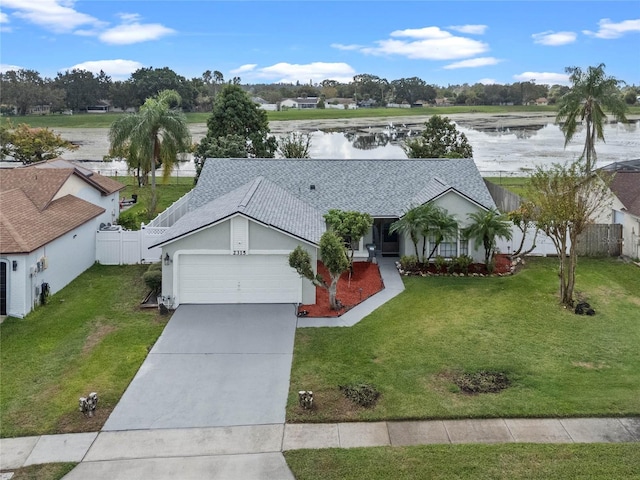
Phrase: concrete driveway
(214, 365)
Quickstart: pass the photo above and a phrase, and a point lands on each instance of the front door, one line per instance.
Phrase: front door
(387, 242)
(3, 288)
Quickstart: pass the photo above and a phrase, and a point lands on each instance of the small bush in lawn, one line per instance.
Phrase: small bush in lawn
(482, 382)
(362, 394)
(408, 262)
(153, 280)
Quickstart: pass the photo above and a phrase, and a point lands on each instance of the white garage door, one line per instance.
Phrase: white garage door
(237, 279)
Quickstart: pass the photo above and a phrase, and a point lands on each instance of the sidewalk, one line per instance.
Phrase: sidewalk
(156, 446)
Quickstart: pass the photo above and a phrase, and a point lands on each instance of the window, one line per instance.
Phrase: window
(464, 247)
(449, 248)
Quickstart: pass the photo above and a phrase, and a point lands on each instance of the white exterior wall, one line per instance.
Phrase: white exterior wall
(217, 240)
(79, 188)
(66, 258)
(458, 206)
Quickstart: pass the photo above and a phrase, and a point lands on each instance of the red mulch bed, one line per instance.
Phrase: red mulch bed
(366, 276)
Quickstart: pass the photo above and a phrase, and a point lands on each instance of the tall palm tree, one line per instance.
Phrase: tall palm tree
(486, 227)
(592, 92)
(442, 225)
(157, 133)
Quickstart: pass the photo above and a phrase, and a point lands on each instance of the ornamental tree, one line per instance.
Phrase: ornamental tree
(333, 256)
(30, 145)
(566, 198)
(350, 226)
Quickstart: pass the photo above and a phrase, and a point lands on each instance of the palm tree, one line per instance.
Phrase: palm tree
(414, 224)
(442, 225)
(592, 93)
(410, 224)
(485, 227)
(157, 133)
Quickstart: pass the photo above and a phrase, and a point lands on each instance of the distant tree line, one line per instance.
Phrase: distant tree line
(76, 90)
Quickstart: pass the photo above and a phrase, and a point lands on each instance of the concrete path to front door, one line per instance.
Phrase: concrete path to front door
(213, 366)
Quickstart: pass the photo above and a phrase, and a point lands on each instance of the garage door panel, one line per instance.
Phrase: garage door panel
(237, 279)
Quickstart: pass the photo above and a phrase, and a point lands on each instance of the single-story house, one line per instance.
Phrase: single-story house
(246, 215)
(49, 215)
(300, 102)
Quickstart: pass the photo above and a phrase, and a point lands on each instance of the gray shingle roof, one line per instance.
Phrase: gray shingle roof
(382, 188)
(260, 200)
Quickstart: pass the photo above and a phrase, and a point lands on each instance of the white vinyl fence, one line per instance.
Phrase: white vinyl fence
(123, 247)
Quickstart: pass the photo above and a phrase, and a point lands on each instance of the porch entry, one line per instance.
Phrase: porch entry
(386, 243)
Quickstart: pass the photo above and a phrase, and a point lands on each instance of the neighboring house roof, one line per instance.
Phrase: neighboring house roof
(104, 184)
(626, 165)
(626, 186)
(260, 200)
(40, 187)
(24, 226)
(304, 100)
(382, 188)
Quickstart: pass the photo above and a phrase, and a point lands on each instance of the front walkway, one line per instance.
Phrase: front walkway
(122, 454)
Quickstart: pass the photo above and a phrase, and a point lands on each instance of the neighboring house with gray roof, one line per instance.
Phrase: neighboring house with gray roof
(246, 216)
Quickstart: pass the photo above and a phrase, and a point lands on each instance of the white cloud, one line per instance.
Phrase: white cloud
(548, 78)
(473, 63)
(340, 46)
(60, 16)
(488, 81)
(244, 68)
(117, 69)
(470, 29)
(609, 30)
(429, 43)
(129, 33)
(5, 67)
(55, 15)
(554, 39)
(316, 72)
(4, 18)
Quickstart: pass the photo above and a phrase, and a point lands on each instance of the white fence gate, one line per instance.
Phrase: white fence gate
(122, 247)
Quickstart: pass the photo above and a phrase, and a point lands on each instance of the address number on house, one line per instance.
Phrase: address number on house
(239, 252)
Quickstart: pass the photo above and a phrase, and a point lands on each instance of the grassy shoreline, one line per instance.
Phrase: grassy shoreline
(85, 120)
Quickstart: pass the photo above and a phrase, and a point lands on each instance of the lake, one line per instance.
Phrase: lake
(501, 145)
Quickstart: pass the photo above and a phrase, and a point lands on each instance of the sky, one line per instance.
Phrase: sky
(451, 42)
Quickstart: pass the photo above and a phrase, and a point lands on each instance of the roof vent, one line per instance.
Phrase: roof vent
(312, 187)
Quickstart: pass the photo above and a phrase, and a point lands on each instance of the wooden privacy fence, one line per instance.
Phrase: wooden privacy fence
(506, 201)
(601, 240)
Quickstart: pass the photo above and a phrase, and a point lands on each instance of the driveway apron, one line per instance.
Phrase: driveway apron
(213, 366)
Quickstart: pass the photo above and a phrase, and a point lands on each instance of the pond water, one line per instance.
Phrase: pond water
(498, 149)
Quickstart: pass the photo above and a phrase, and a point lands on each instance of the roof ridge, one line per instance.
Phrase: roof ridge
(252, 190)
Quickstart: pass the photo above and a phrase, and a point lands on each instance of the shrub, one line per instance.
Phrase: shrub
(155, 267)
(408, 262)
(153, 280)
(361, 394)
(462, 263)
(440, 263)
(482, 382)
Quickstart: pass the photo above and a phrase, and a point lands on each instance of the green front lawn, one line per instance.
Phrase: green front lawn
(559, 363)
(90, 336)
(473, 462)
